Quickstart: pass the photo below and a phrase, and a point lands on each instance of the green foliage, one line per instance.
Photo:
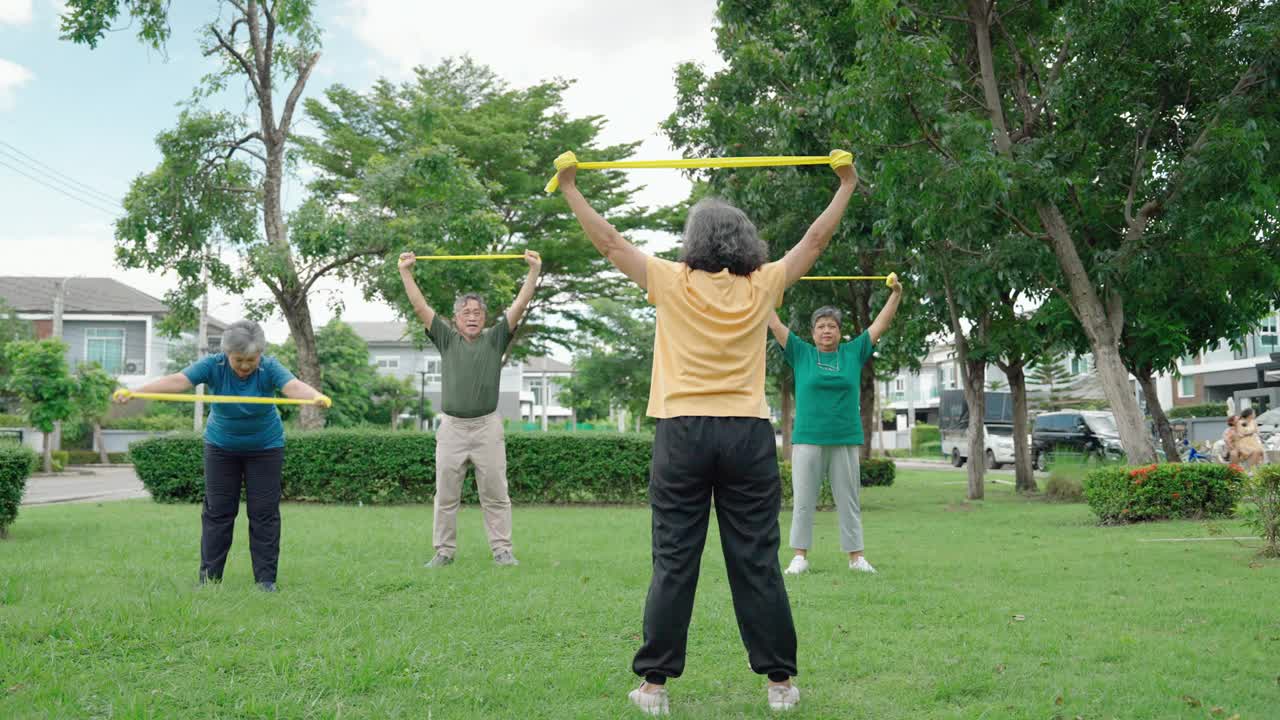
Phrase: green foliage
(12, 329)
(347, 376)
(393, 395)
(351, 466)
(454, 161)
(1206, 410)
(16, 465)
(41, 379)
(616, 370)
(1119, 494)
(1262, 509)
(12, 421)
(923, 434)
(90, 457)
(1066, 481)
(151, 423)
(93, 392)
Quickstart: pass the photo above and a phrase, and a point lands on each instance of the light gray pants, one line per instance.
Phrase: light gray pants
(809, 465)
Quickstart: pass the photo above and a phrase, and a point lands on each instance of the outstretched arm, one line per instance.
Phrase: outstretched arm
(420, 306)
(615, 248)
(780, 332)
(298, 390)
(175, 383)
(801, 258)
(516, 312)
(890, 309)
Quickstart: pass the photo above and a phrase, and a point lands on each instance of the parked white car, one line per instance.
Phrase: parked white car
(999, 446)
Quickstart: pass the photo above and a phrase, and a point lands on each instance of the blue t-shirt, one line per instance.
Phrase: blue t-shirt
(235, 426)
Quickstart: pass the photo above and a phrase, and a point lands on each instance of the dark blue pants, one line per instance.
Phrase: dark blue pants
(225, 472)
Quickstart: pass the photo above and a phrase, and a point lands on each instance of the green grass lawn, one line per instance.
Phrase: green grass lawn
(1004, 609)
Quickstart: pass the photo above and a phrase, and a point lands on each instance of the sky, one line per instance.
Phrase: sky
(85, 120)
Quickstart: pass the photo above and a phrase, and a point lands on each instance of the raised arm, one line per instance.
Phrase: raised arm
(420, 306)
(516, 311)
(615, 248)
(780, 332)
(299, 390)
(802, 257)
(890, 309)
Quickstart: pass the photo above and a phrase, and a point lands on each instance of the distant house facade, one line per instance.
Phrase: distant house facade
(104, 321)
(396, 352)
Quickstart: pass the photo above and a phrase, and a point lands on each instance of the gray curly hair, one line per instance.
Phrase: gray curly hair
(719, 236)
(465, 298)
(826, 312)
(244, 337)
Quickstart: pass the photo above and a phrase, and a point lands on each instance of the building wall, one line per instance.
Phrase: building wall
(74, 333)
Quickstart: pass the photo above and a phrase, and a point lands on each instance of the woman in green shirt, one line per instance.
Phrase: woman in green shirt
(828, 425)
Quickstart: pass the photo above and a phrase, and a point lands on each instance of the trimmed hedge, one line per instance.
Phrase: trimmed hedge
(91, 457)
(923, 436)
(12, 421)
(1206, 410)
(151, 423)
(383, 467)
(16, 465)
(1119, 494)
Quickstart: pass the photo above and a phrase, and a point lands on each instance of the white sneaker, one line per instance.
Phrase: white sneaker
(798, 565)
(783, 697)
(861, 565)
(652, 703)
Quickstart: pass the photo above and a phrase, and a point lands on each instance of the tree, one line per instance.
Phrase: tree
(346, 374)
(508, 139)
(12, 329)
(1050, 373)
(777, 95)
(40, 377)
(391, 396)
(93, 388)
(282, 46)
(616, 371)
(1104, 149)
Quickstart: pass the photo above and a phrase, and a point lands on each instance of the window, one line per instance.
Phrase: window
(432, 366)
(1187, 387)
(105, 346)
(388, 362)
(1268, 336)
(1080, 365)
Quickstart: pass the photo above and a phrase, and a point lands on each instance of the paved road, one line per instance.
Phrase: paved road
(95, 485)
(943, 465)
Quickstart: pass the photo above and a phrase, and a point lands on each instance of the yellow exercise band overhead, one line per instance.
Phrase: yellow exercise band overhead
(837, 158)
(469, 257)
(888, 279)
(184, 397)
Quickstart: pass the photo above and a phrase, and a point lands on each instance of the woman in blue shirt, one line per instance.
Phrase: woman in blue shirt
(244, 444)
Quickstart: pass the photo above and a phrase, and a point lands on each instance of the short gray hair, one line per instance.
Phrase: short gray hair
(244, 337)
(465, 298)
(719, 236)
(826, 311)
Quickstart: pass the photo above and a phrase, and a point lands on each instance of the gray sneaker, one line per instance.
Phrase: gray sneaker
(439, 561)
(505, 558)
(783, 697)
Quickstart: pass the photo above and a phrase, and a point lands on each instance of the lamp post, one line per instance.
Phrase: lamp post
(422, 401)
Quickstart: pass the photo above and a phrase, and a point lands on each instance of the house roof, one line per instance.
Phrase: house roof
(546, 364)
(84, 295)
(382, 332)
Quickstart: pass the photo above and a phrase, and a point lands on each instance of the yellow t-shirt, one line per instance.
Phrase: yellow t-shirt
(708, 352)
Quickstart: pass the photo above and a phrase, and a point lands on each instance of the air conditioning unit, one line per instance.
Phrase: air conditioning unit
(134, 367)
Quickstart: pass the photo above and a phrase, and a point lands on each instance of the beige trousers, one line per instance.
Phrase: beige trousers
(479, 441)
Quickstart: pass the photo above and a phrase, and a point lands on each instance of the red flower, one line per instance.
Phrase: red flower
(1138, 481)
(1176, 496)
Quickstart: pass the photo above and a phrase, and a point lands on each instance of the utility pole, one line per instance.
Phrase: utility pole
(202, 343)
(59, 303)
(422, 401)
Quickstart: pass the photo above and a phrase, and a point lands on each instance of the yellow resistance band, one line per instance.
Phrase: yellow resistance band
(888, 279)
(469, 257)
(837, 158)
(183, 397)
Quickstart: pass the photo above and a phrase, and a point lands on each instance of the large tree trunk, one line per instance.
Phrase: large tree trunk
(298, 314)
(101, 443)
(1163, 428)
(1025, 481)
(976, 399)
(786, 390)
(1102, 326)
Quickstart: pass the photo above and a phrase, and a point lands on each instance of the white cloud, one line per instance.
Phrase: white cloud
(15, 12)
(622, 55)
(12, 77)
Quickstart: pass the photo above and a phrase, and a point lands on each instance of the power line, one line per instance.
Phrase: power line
(66, 179)
(77, 198)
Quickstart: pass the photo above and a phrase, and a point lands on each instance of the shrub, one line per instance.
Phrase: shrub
(91, 457)
(151, 423)
(930, 448)
(16, 465)
(923, 435)
(1119, 494)
(60, 458)
(1064, 487)
(12, 421)
(1263, 510)
(350, 466)
(1208, 410)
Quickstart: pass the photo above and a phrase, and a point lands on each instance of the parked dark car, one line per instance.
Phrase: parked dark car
(1092, 435)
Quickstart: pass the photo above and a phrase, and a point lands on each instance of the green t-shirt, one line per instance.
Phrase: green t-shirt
(470, 370)
(827, 388)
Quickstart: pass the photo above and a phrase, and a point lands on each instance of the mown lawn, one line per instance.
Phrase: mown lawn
(1004, 609)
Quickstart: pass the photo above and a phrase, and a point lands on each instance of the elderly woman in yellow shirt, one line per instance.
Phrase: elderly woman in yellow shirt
(714, 442)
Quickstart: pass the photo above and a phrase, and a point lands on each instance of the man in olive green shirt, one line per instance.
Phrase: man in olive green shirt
(471, 430)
